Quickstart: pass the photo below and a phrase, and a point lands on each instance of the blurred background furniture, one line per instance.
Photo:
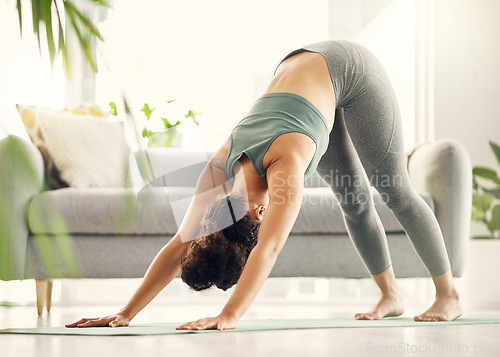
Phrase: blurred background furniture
(115, 232)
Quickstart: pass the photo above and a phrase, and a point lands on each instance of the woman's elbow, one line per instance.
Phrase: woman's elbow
(268, 250)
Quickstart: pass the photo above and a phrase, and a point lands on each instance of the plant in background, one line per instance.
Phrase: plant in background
(64, 11)
(486, 196)
(167, 135)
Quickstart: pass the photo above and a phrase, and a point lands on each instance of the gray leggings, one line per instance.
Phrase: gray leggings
(366, 146)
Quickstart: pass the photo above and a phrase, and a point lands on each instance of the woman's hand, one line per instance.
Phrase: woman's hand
(111, 321)
(220, 323)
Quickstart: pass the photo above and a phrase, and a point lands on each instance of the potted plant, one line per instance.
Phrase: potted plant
(483, 263)
(486, 196)
(161, 131)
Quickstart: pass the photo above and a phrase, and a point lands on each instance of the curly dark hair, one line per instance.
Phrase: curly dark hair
(219, 258)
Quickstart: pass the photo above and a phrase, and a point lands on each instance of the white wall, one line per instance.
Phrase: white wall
(387, 28)
(216, 57)
(467, 76)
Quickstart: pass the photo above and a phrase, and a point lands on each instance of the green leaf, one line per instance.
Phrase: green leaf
(495, 192)
(475, 184)
(487, 173)
(46, 17)
(147, 133)
(147, 110)
(84, 40)
(481, 237)
(476, 215)
(494, 223)
(84, 20)
(496, 150)
(166, 123)
(19, 13)
(482, 202)
(170, 101)
(62, 44)
(112, 105)
(191, 114)
(36, 19)
(75, 20)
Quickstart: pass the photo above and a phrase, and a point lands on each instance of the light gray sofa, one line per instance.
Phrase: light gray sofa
(84, 232)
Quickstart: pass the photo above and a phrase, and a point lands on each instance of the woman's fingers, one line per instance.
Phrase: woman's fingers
(74, 324)
(105, 321)
(184, 326)
(94, 322)
(202, 324)
(187, 326)
(88, 323)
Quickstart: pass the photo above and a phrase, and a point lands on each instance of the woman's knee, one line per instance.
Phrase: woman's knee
(354, 202)
(399, 200)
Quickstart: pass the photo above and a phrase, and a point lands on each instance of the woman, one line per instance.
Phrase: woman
(330, 107)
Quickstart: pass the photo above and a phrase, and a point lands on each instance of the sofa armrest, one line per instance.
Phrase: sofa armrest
(443, 169)
(21, 178)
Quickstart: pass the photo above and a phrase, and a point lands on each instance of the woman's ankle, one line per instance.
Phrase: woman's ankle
(447, 293)
(391, 292)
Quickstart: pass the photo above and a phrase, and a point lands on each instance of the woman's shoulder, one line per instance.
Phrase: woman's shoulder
(290, 149)
(219, 157)
(223, 150)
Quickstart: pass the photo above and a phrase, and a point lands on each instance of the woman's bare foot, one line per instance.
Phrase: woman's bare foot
(387, 306)
(445, 308)
(391, 302)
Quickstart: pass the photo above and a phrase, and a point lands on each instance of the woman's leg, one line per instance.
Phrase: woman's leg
(341, 169)
(374, 125)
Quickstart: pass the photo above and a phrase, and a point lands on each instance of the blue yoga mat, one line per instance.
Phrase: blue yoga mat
(244, 326)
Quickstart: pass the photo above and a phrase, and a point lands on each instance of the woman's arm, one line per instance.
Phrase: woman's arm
(167, 263)
(160, 273)
(285, 182)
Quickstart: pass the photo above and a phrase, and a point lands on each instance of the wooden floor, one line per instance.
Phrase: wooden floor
(472, 340)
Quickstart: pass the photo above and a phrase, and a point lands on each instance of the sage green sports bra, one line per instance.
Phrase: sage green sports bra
(274, 114)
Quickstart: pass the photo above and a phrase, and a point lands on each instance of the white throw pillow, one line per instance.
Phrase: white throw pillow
(88, 151)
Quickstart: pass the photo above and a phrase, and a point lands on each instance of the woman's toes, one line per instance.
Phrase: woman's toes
(424, 317)
(362, 317)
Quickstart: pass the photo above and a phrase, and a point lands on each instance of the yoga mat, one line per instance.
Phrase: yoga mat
(243, 326)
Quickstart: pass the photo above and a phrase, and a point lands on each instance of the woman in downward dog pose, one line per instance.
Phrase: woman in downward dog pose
(330, 108)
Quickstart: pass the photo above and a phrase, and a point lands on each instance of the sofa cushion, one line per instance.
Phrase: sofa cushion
(118, 211)
(31, 116)
(320, 212)
(98, 210)
(88, 151)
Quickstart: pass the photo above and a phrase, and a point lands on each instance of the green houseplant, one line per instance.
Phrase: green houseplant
(486, 196)
(49, 16)
(166, 133)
